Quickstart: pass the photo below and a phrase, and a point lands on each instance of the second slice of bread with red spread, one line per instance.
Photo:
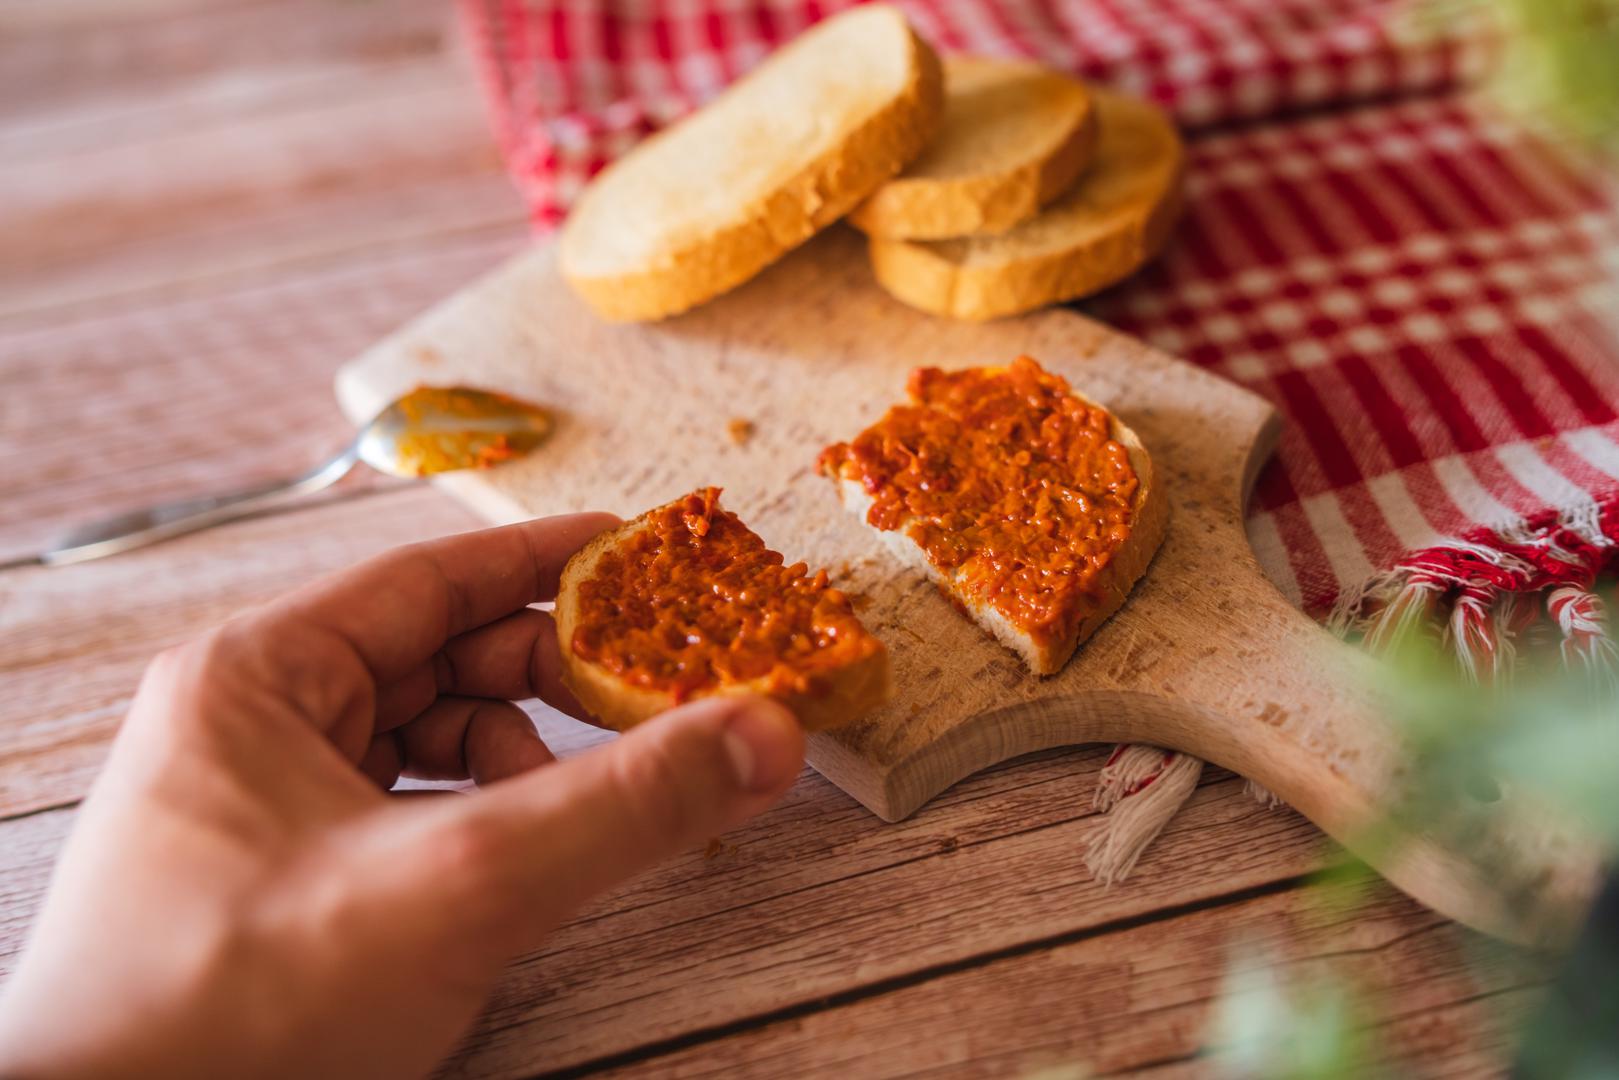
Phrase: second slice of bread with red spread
(686, 601)
(1034, 509)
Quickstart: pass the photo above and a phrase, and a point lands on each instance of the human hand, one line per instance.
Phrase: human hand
(240, 895)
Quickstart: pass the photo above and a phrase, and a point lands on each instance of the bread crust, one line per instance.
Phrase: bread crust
(1076, 246)
(818, 194)
(1149, 522)
(1010, 187)
(851, 691)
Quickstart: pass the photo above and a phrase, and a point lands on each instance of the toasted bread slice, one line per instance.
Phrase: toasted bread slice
(1116, 217)
(1078, 604)
(1014, 136)
(686, 602)
(710, 201)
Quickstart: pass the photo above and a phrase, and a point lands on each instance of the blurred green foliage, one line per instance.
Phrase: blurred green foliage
(1556, 64)
(1549, 743)
(1551, 737)
(1560, 60)
(1270, 1025)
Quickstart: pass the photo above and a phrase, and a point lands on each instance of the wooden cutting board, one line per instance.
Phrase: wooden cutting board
(1205, 657)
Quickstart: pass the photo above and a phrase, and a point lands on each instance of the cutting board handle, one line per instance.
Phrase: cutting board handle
(1207, 657)
(1216, 663)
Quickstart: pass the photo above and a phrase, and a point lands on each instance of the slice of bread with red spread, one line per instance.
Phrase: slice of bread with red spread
(686, 601)
(1034, 509)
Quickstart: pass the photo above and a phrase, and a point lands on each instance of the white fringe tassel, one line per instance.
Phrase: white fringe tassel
(1140, 789)
(1261, 794)
(1587, 645)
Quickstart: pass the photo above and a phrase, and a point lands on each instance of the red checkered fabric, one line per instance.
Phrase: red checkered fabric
(1418, 289)
(1417, 286)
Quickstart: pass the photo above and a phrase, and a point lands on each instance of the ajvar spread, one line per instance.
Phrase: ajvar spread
(426, 453)
(1011, 485)
(448, 428)
(695, 601)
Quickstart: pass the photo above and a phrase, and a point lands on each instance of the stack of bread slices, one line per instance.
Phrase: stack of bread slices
(985, 187)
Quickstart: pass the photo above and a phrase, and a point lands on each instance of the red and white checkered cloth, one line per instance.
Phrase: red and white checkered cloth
(1416, 285)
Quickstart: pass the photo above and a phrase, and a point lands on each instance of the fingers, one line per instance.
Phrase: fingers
(403, 700)
(514, 659)
(396, 610)
(501, 742)
(554, 839)
(459, 738)
(381, 761)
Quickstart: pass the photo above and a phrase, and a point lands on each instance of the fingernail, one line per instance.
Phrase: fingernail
(764, 743)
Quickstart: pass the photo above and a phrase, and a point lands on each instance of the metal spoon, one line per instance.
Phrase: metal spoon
(429, 430)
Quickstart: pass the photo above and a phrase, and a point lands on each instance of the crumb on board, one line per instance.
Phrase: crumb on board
(738, 430)
(859, 601)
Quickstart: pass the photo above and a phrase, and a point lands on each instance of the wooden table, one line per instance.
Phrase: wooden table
(207, 205)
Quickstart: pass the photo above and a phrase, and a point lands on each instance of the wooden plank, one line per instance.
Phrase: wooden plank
(28, 848)
(233, 248)
(1470, 1038)
(74, 640)
(215, 182)
(266, 204)
(247, 183)
(18, 15)
(963, 940)
(1141, 998)
(71, 60)
(179, 144)
(278, 258)
(200, 395)
(818, 898)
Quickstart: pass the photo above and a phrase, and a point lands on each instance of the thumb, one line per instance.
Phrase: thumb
(572, 830)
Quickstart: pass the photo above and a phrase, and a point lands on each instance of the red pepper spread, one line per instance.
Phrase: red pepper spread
(433, 444)
(696, 601)
(428, 452)
(1010, 484)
